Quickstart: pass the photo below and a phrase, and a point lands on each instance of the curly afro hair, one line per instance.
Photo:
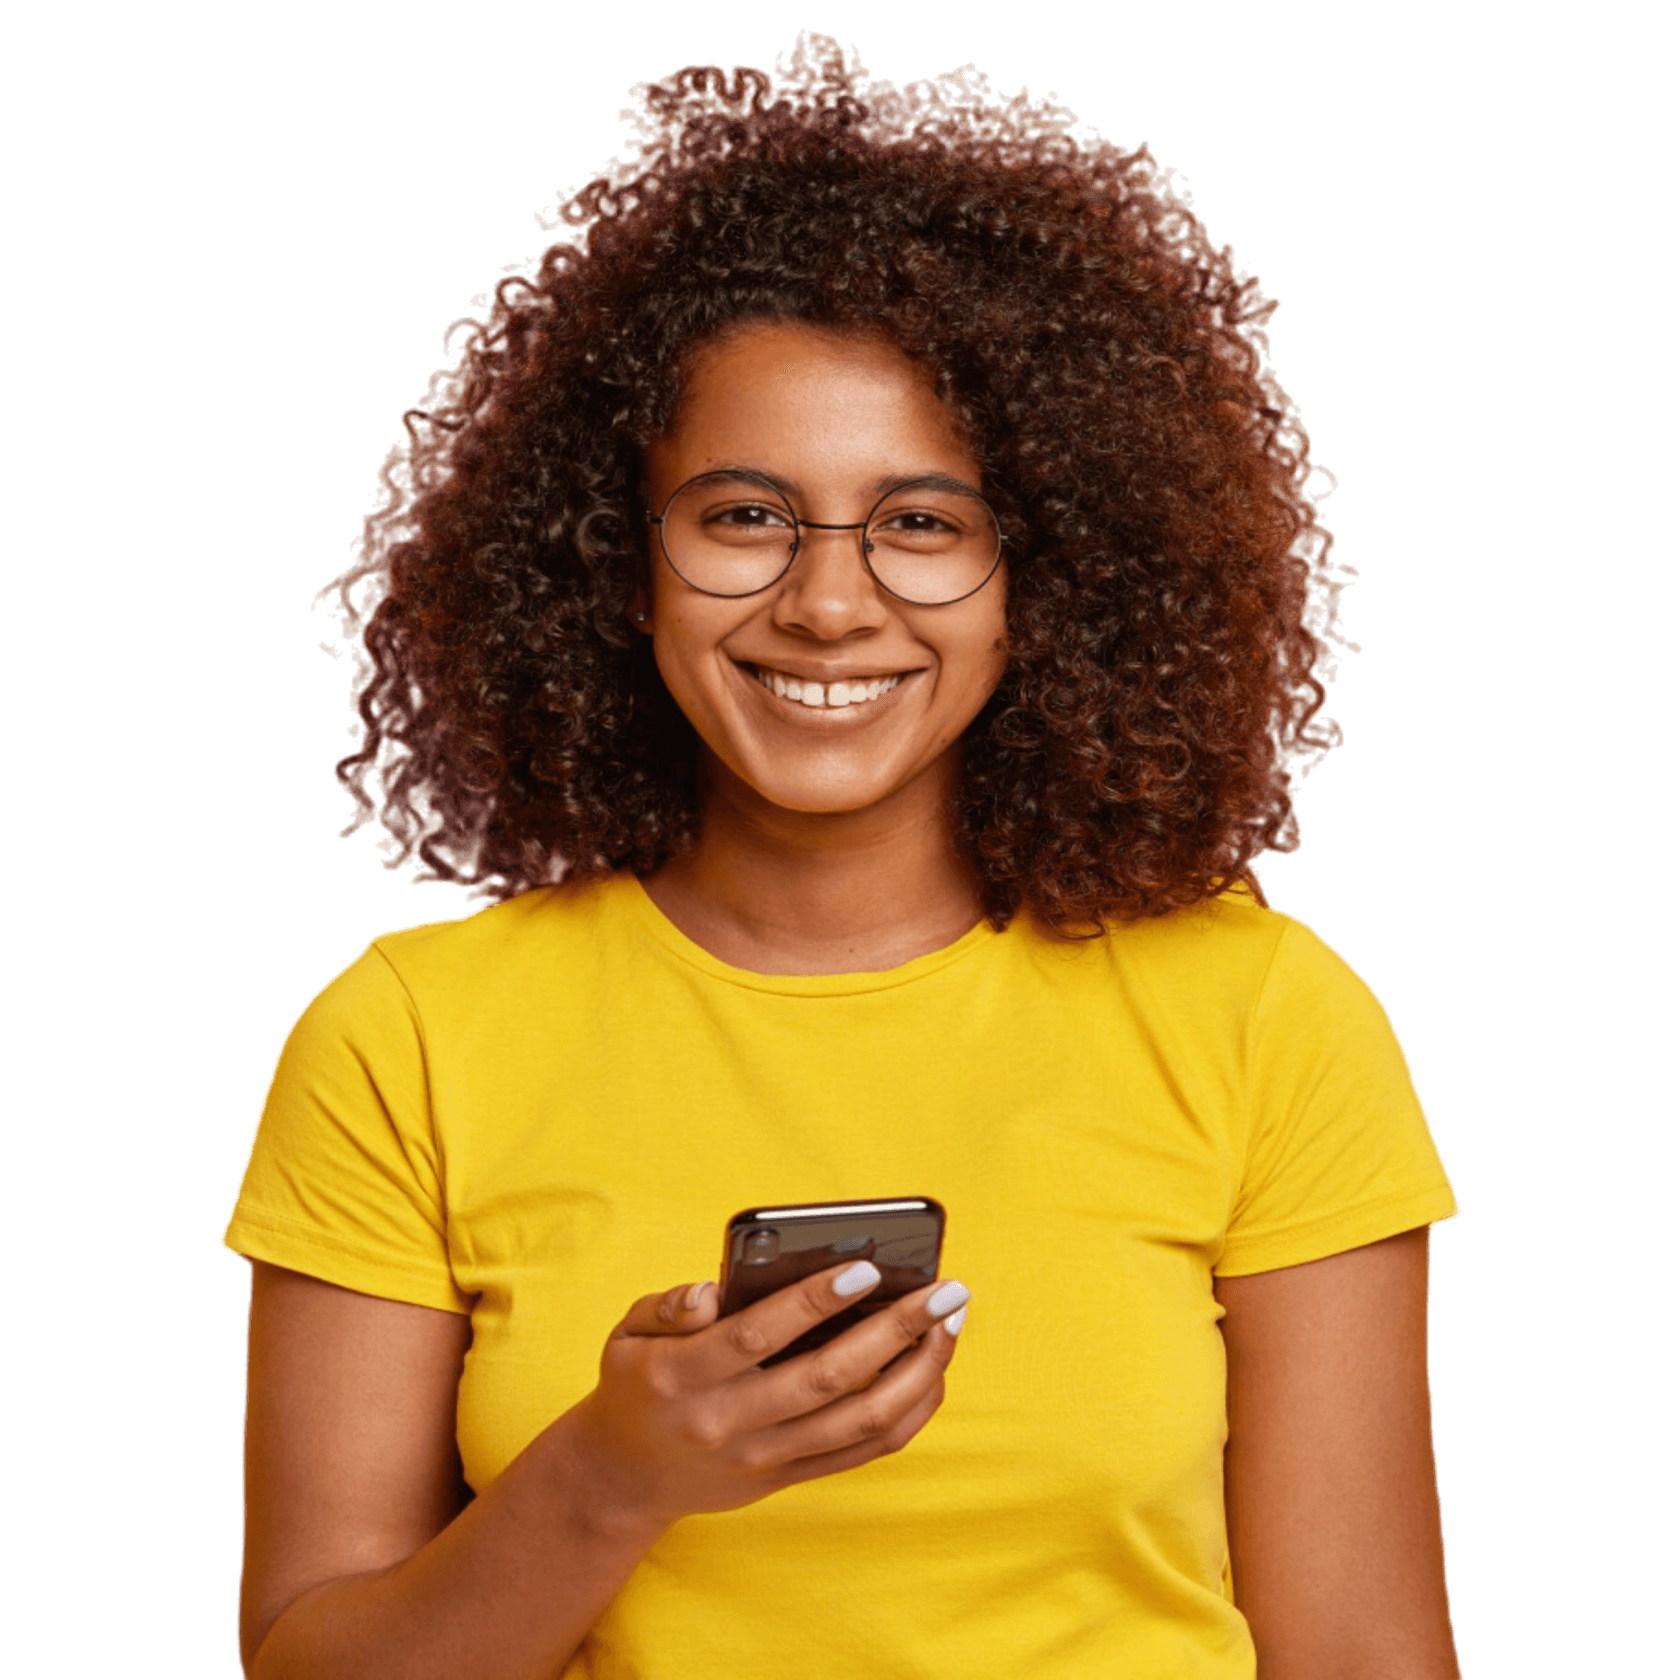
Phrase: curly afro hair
(1167, 572)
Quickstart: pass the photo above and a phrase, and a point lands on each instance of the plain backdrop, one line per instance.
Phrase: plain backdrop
(244, 231)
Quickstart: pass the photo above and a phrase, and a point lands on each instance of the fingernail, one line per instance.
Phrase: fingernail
(955, 1322)
(856, 1278)
(947, 1298)
(694, 1297)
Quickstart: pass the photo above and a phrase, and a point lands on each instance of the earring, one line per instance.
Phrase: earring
(641, 618)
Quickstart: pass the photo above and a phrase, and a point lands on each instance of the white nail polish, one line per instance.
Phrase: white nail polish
(856, 1278)
(946, 1298)
(955, 1322)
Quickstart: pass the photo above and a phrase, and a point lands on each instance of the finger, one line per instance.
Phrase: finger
(849, 1365)
(745, 1339)
(866, 1426)
(859, 1353)
(678, 1312)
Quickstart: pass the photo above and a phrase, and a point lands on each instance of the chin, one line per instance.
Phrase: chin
(818, 795)
(822, 802)
(834, 783)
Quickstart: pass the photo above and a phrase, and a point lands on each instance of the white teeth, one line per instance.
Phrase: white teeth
(845, 692)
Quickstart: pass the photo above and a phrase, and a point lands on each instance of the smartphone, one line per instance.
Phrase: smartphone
(767, 1248)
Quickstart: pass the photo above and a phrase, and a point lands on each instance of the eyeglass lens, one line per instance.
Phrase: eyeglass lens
(731, 534)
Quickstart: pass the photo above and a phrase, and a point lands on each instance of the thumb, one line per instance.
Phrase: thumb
(689, 1307)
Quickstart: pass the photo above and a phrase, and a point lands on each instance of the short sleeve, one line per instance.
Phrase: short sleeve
(345, 1181)
(1337, 1153)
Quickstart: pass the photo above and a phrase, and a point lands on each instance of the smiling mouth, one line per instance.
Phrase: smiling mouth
(853, 691)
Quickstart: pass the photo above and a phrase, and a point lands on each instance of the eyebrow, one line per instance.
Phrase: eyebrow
(881, 487)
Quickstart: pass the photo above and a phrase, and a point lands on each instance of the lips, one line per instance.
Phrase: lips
(837, 676)
(824, 704)
(834, 694)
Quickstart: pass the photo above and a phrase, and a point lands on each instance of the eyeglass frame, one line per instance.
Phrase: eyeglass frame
(865, 547)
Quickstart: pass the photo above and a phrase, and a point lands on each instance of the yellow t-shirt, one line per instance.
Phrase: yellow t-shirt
(542, 1112)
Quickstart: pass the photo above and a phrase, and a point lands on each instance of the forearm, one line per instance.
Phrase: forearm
(507, 1591)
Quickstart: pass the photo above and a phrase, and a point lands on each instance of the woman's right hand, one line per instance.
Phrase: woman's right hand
(683, 1419)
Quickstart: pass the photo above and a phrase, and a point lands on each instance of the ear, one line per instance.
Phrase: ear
(639, 609)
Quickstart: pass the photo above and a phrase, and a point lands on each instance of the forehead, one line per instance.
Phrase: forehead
(825, 410)
(794, 356)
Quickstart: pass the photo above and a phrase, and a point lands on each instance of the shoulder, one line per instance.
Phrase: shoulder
(535, 931)
(499, 928)
(1233, 944)
(1223, 946)
(1183, 984)
(1229, 965)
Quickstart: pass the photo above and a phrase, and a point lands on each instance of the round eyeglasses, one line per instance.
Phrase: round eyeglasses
(929, 542)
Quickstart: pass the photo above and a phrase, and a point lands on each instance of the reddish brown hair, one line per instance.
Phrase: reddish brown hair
(1166, 575)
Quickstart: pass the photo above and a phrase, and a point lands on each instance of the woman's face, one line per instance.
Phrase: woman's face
(831, 419)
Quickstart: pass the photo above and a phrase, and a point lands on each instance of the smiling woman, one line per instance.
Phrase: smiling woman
(851, 610)
(1094, 354)
(875, 693)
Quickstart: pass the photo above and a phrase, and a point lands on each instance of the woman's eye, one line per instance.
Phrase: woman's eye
(917, 523)
(750, 516)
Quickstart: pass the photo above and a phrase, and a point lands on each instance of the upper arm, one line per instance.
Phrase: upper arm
(1331, 1507)
(350, 1457)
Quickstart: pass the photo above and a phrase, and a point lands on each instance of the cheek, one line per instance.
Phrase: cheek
(686, 647)
(676, 670)
(993, 637)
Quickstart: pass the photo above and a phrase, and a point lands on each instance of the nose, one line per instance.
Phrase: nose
(828, 592)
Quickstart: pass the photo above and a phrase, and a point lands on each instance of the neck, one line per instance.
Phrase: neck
(792, 892)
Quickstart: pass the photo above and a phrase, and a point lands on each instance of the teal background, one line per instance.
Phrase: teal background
(237, 237)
